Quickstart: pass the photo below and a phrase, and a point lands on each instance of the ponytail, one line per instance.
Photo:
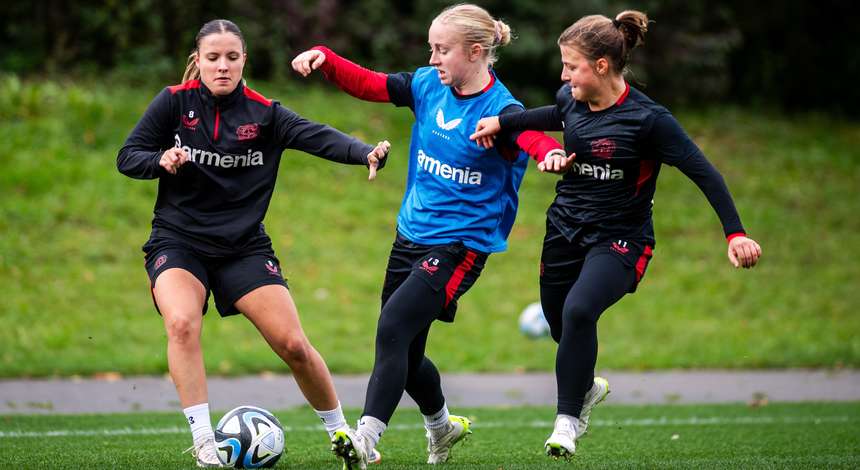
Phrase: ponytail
(633, 25)
(191, 70)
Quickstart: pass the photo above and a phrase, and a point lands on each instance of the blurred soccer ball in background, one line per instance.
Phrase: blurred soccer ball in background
(532, 321)
(249, 437)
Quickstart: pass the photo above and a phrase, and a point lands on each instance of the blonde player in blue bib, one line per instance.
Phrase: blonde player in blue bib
(459, 206)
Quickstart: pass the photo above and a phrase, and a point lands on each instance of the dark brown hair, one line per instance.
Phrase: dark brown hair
(212, 27)
(597, 36)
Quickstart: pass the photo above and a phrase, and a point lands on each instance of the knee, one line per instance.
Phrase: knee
(295, 350)
(578, 314)
(182, 329)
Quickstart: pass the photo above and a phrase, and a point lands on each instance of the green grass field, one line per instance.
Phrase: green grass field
(75, 295)
(668, 436)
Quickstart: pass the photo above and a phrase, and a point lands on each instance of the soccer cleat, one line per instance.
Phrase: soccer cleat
(205, 454)
(597, 394)
(346, 444)
(562, 441)
(440, 446)
(375, 457)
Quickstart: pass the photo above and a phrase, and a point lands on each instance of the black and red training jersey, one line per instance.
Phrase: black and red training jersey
(218, 199)
(609, 190)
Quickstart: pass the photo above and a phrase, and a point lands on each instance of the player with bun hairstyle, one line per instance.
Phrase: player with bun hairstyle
(214, 145)
(600, 236)
(459, 206)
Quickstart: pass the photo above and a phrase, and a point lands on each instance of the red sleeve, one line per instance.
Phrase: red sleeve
(354, 79)
(537, 144)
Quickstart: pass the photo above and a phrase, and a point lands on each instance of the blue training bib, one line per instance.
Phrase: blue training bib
(455, 189)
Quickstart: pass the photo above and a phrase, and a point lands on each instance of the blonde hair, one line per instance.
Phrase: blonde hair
(597, 36)
(212, 27)
(477, 26)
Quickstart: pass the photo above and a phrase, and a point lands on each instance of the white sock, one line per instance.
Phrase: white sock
(332, 419)
(201, 424)
(370, 429)
(437, 423)
(574, 422)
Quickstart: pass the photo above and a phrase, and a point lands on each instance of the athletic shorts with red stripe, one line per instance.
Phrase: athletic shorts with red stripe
(454, 268)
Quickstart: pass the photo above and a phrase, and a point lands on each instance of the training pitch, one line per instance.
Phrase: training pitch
(807, 435)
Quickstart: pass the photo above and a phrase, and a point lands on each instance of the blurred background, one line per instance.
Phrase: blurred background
(765, 88)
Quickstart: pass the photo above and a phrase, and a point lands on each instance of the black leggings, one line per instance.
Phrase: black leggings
(422, 284)
(572, 310)
(400, 364)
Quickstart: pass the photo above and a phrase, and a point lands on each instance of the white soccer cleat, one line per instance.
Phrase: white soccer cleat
(562, 441)
(440, 446)
(346, 444)
(206, 455)
(597, 394)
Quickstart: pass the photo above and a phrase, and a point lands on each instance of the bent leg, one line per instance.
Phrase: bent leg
(407, 314)
(604, 280)
(272, 311)
(180, 298)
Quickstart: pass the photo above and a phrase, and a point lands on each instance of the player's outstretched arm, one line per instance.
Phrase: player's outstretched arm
(743, 252)
(350, 77)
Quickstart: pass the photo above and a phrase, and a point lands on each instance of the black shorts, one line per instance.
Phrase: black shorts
(562, 260)
(453, 267)
(228, 277)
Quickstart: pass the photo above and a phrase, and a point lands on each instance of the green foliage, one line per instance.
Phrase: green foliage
(714, 436)
(772, 53)
(76, 297)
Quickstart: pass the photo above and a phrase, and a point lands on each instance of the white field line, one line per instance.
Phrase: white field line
(645, 422)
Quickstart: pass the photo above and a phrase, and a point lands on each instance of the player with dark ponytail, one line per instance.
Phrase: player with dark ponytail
(599, 232)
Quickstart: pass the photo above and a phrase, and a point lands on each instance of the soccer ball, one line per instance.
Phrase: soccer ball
(249, 437)
(532, 321)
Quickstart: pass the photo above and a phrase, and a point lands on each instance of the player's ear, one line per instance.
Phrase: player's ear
(475, 52)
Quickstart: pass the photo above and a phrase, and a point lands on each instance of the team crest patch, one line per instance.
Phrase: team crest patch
(189, 121)
(620, 247)
(603, 148)
(248, 131)
(272, 268)
(430, 265)
(160, 261)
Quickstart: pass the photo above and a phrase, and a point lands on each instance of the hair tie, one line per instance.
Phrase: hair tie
(616, 23)
(497, 37)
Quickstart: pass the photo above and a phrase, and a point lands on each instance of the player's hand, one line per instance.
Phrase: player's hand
(308, 61)
(376, 158)
(556, 161)
(172, 159)
(744, 252)
(485, 131)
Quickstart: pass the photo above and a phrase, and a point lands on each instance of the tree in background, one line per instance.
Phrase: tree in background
(786, 54)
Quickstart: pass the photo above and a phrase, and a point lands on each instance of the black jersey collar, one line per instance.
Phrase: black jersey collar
(222, 101)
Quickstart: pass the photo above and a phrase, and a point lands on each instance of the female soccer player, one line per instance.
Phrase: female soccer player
(600, 234)
(214, 144)
(459, 206)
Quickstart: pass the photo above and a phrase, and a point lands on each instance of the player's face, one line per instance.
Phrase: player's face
(449, 55)
(578, 72)
(220, 59)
